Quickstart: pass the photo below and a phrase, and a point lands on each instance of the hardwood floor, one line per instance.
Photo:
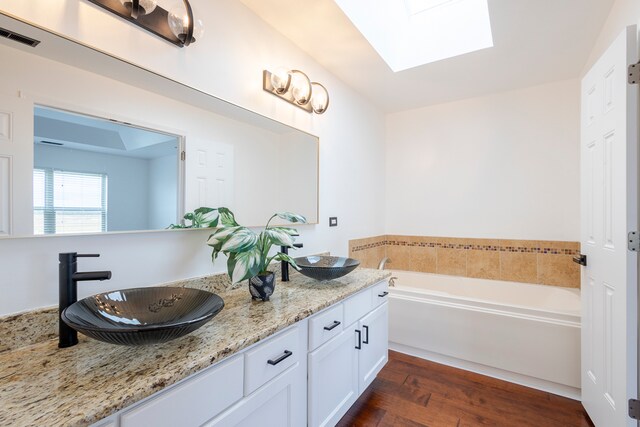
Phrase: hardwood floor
(414, 392)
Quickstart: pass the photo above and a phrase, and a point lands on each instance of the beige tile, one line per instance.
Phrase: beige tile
(366, 241)
(483, 264)
(427, 239)
(518, 267)
(412, 258)
(452, 240)
(398, 239)
(483, 242)
(451, 261)
(369, 258)
(556, 244)
(520, 243)
(423, 259)
(558, 270)
(399, 257)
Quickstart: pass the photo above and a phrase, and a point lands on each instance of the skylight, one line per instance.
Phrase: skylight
(411, 33)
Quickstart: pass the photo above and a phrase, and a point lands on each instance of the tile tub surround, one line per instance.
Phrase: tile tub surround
(531, 261)
(43, 385)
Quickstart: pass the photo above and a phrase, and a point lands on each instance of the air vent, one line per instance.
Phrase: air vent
(19, 38)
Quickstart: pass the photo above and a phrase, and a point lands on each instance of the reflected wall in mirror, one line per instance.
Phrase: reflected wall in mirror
(92, 175)
(233, 157)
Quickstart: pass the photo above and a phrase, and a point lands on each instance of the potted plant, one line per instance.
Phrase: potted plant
(248, 252)
(206, 218)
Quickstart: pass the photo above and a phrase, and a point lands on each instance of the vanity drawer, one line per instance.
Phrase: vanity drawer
(357, 306)
(380, 293)
(324, 326)
(192, 402)
(271, 358)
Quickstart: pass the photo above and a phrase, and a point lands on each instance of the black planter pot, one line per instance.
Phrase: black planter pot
(262, 286)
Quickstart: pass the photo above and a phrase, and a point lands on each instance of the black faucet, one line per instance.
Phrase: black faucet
(68, 289)
(285, 264)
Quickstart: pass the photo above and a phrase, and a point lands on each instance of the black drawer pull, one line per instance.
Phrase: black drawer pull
(286, 354)
(333, 326)
(384, 294)
(366, 329)
(359, 345)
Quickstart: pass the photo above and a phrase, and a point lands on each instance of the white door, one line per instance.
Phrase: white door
(333, 379)
(375, 345)
(209, 174)
(16, 165)
(608, 151)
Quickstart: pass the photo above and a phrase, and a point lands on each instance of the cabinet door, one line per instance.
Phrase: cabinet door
(279, 403)
(193, 401)
(333, 379)
(375, 345)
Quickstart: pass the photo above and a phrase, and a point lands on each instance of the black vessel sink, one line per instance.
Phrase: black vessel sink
(142, 315)
(326, 267)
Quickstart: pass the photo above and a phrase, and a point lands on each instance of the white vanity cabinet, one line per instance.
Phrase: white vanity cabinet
(375, 343)
(275, 383)
(333, 379)
(263, 385)
(341, 369)
(192, 401)
(281, 403)
(308, 374)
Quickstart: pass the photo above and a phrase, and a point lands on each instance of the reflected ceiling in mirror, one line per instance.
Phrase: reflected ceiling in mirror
(92, 175)
(234, 158)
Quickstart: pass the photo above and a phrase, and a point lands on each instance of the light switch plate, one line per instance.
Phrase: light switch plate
(333, 221)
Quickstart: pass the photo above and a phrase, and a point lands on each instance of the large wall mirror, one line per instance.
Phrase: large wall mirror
(91, 144)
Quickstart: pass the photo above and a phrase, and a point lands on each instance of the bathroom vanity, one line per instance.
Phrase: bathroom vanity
(301, 359)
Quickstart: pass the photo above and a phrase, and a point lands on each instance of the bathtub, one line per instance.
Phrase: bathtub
(523, 333)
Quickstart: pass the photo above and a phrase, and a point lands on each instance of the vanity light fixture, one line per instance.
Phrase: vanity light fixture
(295, 87)
(175, 24)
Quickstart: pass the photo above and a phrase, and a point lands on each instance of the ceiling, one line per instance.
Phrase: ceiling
(535, 42)
(58, 128)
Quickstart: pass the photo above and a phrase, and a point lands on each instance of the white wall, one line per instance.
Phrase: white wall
(623, 13)
(499, 166)
(228, 63)
(127, 182)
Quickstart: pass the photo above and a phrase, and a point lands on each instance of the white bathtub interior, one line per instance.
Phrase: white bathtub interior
(524, 333)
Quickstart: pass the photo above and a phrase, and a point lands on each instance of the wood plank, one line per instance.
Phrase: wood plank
(415, 392)
(391, 420)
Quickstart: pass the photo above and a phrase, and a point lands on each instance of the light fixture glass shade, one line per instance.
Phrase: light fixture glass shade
(280, 80)
(146, 6)
(319, 98)
(179, 23)
(300, 87)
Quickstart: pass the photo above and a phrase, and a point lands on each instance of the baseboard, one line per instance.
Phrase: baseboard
(537, 383)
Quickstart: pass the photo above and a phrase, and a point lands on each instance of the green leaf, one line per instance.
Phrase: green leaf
(291, 217)
(284, 257)
(290, 231)
(205, 217)
(241, 240)
(204, 210)
(242, 266)
(176, 226)
(278, 237)
(227, 218)
(221, 235)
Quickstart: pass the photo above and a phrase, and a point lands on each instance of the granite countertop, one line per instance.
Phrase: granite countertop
(43, 385)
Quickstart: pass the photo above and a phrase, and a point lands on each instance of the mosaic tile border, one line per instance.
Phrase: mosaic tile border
(494, 248)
